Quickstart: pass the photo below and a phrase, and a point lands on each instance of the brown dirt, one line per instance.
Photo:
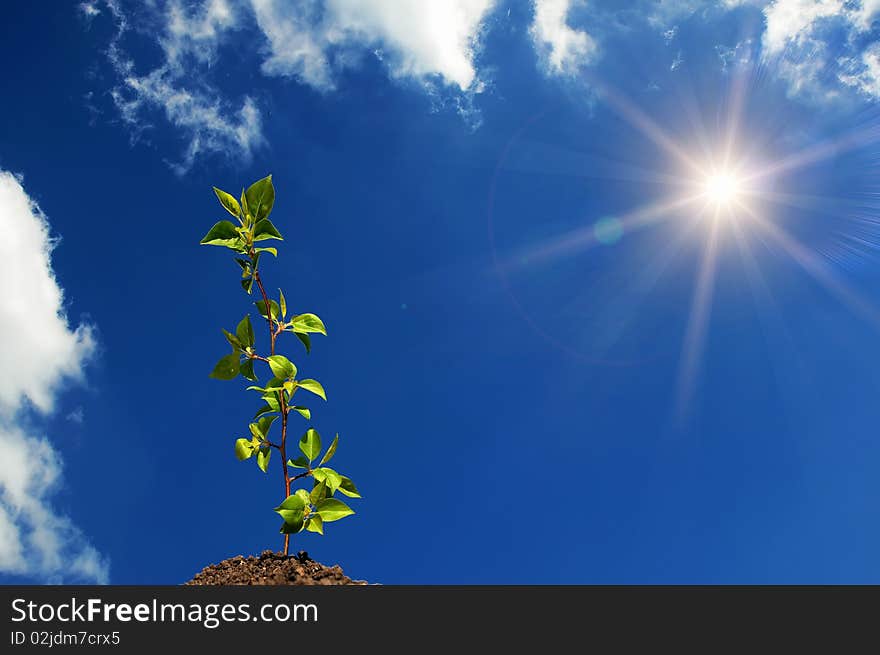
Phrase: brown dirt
(272, 568)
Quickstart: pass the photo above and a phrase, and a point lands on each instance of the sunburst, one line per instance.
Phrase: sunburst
(730, 194)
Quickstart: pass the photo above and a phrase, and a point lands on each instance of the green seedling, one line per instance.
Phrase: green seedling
(302, 509)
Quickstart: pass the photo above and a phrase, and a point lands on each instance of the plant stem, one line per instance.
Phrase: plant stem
(282, 405)
(272, 333)
(284, 411)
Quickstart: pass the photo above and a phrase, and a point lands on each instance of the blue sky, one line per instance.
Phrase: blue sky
(600, 281)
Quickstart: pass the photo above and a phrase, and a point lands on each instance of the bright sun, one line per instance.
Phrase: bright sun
(722, 188)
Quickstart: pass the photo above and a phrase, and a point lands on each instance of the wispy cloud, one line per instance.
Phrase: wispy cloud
(563, 49)
(178, 89)
(89, 9)
(822, 47)
(76, 415)
(35, 538)
(433, 42)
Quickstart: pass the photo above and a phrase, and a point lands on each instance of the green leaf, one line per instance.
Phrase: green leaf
(247, 284)
(283, 303)
(319, 493)
(272, 402)
(347, 487)
(264, 424)
(229, 203)
(282, 367)
(298, 463)
(330, 452)
(243, 449)
(291, 528)
(271, 251)
(310, 444)
(292, 502)
(245, 331)
(303, 495)
(263, 458)
(260, 198)
(247, 370)
(314, 386)
(332, 509)
(222, 234)
(307, 323)
(292, 517)
(263, 410)
(292, 510)
(265, 230)
(244, 206)
(329, 477)
(233, 340)
(306, 341)
(227, 368)
(307, 414)
(315, 524)
(275, 384)
(261, 307)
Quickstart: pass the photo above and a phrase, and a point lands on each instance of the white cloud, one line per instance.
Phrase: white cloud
(196, 34)
(430, 41)
(867, 13)
(798, 39)
(42, 350)
(863, 73)
(296, 46)
(89, 9)
(210, 124)
(35, 538)
(177, 87)
(563, 48)
(422, 37)
(790, 22)
(739, 55)
(76, 415)
(417, 38)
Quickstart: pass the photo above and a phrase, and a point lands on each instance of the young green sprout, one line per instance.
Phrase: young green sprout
(304, 509)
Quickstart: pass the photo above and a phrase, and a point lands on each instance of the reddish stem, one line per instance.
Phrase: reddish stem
(282, 404)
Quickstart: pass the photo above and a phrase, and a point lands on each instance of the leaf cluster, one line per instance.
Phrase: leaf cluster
(309, 510)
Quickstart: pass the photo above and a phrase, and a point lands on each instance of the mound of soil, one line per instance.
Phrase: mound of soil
(272, 568)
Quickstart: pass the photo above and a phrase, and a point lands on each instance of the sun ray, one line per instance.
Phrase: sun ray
(698, 319)
(784, 357)
(584, 238)
(815, 267)
(818, 152)
(641, 121)
(734, 115)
